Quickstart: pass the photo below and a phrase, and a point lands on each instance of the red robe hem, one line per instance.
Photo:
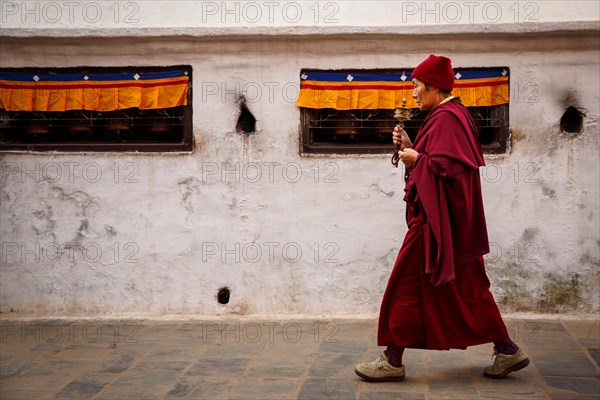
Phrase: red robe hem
(416, 314)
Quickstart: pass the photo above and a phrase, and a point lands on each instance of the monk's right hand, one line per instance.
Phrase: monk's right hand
(400, 138)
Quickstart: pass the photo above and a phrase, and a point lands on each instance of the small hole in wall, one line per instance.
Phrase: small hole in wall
(571, 121)
(223, 295)
(246, 122)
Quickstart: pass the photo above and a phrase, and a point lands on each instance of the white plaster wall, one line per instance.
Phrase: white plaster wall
(102, 14)
(166, 214)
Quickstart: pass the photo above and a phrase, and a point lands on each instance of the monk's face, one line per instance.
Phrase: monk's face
(426, 99)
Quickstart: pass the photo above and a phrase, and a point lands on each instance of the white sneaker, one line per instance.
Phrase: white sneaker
(504, 364)
(379, 370)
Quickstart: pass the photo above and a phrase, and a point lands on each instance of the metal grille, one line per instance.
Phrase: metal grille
(149, 126)
(370, 131)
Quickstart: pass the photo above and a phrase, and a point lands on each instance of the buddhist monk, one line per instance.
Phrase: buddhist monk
(438, 296)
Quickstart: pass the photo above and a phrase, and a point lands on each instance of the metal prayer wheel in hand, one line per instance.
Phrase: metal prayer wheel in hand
(402, 114)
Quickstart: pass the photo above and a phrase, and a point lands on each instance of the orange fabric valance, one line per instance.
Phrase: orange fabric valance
(354, 90)
(94, 92)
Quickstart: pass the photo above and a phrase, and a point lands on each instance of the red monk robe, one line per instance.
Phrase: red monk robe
(438, 294)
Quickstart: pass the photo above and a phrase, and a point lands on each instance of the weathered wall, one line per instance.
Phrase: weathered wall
(155, 234)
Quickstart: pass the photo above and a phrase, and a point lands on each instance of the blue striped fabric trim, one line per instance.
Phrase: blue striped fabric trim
(21, 77)
(357, 76)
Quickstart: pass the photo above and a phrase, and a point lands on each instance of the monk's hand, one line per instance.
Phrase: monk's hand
(408, 157)
(400, 138)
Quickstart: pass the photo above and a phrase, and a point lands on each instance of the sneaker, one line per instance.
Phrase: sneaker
(504, 364)
(379, 370)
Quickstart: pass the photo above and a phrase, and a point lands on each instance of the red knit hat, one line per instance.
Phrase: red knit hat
(436, 71)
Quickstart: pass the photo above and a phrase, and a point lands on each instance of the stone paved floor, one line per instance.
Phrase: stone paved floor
(311, 360)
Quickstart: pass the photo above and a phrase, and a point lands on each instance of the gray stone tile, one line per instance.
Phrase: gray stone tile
(339, 331)
(399, 395)
(504, 390)
(286, 367)
(551, 341)
(86, 352)
(343, 346)
(162, 365)
(166, 353)
(295, 333)
(181, 389)
(575, 385)
(159, 327)
(130, 392)
(415, 382)
(274, 389)
(116, 363)
(148, 378)
(166, 336)
(219, 367)
(595, 354)
(16, 367)
(410, 357)
(467, 394)
(325, 389)
(42, 383)
(282, 349)
(56, 321)
(453, 355)
(329, 365)
(198, 326)
(583, 328)
(564, 364)
(235, 332)
(80, 389)
(47, 347)
(140, 385)
(590, 343)
(546, 325)
(449, 363)
(348, 330)
(89, 380)
(593, 348)
(195, 389)
(457, 383)
(26, 394)
(445, 387)
(233, 350)
(172, 353)
(58, 370)
(305, 359)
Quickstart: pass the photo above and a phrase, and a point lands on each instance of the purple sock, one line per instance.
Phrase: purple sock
(506, 346)
(394, 355)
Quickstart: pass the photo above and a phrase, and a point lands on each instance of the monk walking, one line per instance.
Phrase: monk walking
(438, 294)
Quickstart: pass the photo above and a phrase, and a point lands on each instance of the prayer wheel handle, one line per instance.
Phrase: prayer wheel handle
(402, 114)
